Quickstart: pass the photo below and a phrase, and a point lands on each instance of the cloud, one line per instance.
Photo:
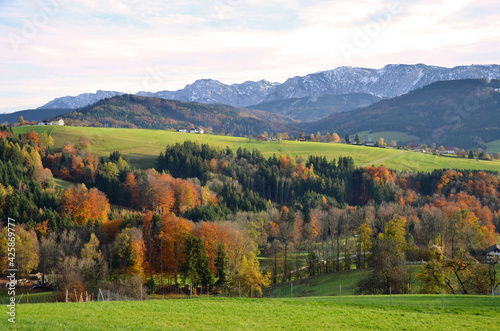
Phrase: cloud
(88, 45)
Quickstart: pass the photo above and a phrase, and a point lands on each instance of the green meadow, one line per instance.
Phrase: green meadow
(142, 148)
(388, 136)
(494, 146)
(417, 312)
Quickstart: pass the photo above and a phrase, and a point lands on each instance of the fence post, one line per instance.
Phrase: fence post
(141, 292)
(109, 296)
(66, 295)
(442, 299)
(191, 290)
(291, 290)
(239, 289)
(494, 297)
(390, 293)
(340, 292)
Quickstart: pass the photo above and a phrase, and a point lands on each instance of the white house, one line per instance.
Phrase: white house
(492, 253)
(58, 122)
(183, 130)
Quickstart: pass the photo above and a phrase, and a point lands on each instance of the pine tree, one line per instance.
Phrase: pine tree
(357, 140)
(221, 265)
(347, 139)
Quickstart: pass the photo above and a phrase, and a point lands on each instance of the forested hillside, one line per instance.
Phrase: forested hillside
(451, 113)
(205, 213)
(130, 111)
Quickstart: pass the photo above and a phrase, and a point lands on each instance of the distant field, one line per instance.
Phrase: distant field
(142, 147)
(326, 313)
(494, 146)
(426, 162)
(388, 136)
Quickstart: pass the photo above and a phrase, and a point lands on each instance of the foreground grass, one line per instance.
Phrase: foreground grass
(254, 314)
(142, 148)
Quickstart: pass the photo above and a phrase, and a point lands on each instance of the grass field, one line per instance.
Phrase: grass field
(426, 162)
(322, 285)
(142, 147)
(388, 136)
(494, 146)
(419, 313)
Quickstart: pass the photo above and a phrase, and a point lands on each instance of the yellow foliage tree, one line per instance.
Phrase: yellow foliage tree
(251, 277)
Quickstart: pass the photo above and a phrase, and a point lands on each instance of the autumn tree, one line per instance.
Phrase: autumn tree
(335, 138)
(176, 231)
(389, 272)
(129, 251)
(27, 250)
(46, 140)
(381, 142)
(91, 249)
(364, 236)
(83, 204)
(251, 277)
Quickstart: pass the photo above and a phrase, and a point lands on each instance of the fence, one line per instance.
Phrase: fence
(482, 302)
(31, 298)
(473, 302)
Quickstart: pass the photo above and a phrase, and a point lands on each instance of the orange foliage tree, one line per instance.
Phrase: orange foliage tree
(84, 205)
(175, 231)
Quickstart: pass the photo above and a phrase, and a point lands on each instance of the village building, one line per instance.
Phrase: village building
(59, 122)
(492, 253)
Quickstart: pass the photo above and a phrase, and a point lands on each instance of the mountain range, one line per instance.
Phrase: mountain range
(455, 107)
(390, 81)
(462, 113)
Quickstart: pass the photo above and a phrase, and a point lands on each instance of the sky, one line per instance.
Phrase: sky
(54, 48)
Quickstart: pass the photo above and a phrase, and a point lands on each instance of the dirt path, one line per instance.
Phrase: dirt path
(385, 158)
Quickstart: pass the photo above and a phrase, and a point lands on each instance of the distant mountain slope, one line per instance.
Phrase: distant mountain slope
(464, 113)
(390, 81)
(32, 115)
(212, 91)
(79, 101)
(308, 109)
(154, 113)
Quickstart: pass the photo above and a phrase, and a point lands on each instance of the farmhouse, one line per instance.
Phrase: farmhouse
(449, 150)
(369, 143)
(492, 253)
(200, 130)
(57, 122)
(413, 146)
